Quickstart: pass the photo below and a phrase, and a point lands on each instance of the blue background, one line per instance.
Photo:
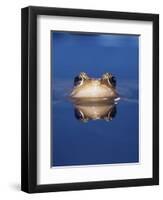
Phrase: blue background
(94, 142)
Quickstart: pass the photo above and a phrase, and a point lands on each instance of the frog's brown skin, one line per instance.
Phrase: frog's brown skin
(94, 88)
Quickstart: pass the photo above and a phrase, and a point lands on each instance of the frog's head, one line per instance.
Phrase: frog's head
(86, 87)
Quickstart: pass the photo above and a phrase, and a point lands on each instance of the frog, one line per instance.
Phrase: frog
(86, 87)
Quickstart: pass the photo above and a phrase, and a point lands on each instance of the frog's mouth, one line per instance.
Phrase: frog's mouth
(95, 101)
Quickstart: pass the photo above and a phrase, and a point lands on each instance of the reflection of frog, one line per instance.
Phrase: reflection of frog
(86, 87)
(95, 111)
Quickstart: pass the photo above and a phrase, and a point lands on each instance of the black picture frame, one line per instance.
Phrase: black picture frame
(29, 98)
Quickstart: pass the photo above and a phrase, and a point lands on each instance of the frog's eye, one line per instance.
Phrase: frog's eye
(112, 81)
(111, 114)
(78, 114)
(77, 80)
